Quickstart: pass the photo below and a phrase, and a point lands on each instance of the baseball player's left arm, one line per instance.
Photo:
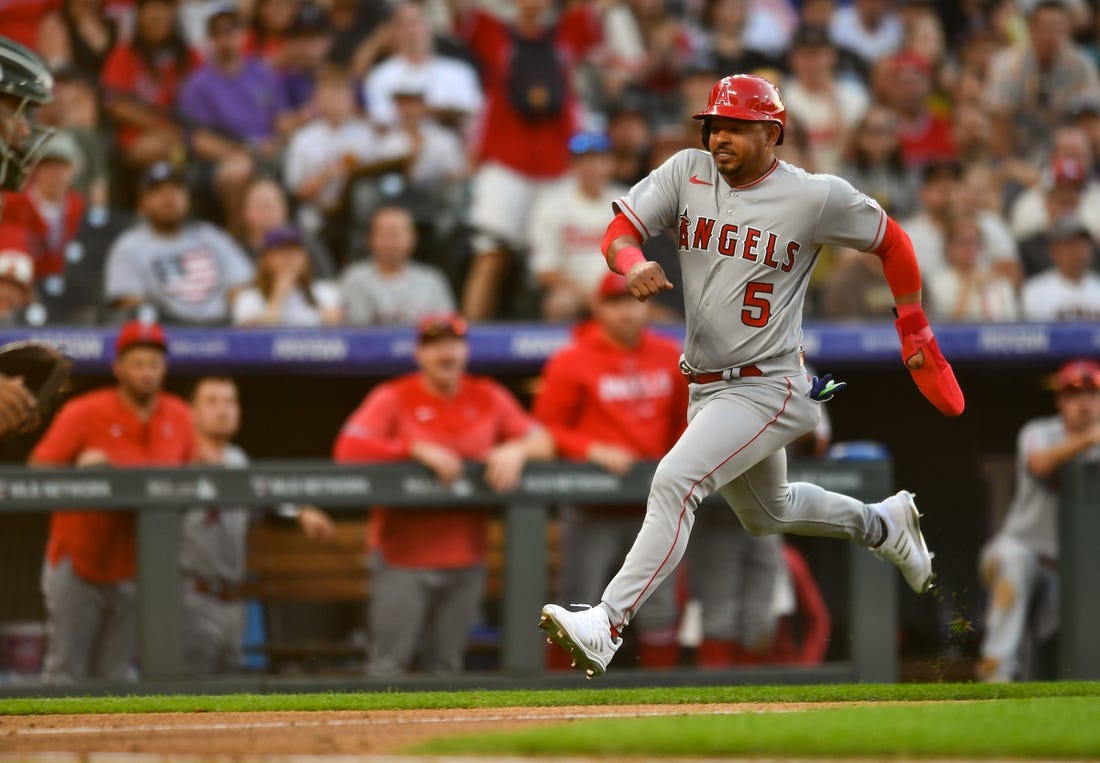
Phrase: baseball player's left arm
(930, 370)
(850, 218)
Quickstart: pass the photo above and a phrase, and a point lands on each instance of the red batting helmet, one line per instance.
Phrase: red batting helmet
(744, 96)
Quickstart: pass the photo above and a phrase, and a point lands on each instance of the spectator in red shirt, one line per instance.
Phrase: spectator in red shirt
(48, 209)
(141, 79)
(530, 113)
(88, 581)
(429, 566)
(923, 135)
(613, 397)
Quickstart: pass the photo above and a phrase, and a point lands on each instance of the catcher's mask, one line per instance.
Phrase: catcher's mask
(25, 84)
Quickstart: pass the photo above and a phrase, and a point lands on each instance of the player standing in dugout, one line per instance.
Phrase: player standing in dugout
(749, 230)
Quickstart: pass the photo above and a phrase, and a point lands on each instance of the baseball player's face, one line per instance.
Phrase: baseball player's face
(442, 362)
(1080, 409)
(140, 373)
(216, 409)
(742, 149)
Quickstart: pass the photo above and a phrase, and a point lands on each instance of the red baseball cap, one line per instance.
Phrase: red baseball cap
(1077, 375)
(613, 285)
(1067, 170)
(140, 334)
(440, 325)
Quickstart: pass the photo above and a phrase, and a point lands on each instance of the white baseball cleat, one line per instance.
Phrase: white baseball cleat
(904, 544)
(586, 635)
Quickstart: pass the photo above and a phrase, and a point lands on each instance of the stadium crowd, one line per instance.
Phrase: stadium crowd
(364, 161)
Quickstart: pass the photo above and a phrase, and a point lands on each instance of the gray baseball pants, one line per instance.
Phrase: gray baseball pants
(428, 608)
(734, 443)
(91, 628)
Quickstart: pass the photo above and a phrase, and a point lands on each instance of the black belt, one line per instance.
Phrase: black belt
(228, 592)
(713, 376)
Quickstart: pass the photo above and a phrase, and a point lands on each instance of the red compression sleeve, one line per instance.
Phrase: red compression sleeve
(899, 261)
(628, 255)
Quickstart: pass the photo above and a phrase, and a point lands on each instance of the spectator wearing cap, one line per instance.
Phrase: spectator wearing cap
(88, 581)
(450, 86)
(826, 107)
(141, 80)
(1030, 86)
(1068, 185)
(187, 271)
(389, 288)
(905, 81)
(1020, 562)
(568, 224)
(428, 566)
(614, 396)
(1068, 290)
(285, 292)
(870, 29)
(528, 65)
(16, 286)
(48, 209)
(322, 153)
(235, 110)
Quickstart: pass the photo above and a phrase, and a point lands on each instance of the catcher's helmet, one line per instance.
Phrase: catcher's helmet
(744, 96)
(25, 84)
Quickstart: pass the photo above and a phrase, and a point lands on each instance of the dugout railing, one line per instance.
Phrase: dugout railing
(160, 494)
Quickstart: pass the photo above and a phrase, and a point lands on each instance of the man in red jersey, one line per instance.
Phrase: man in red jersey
(614, 396)
(88, 581)
(429, 565)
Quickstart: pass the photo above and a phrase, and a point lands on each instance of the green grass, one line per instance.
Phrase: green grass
(1044, 728)
(590, 695)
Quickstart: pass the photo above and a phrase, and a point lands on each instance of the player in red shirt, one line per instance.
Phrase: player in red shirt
(88, 581)
(612, 397)
(428, 565)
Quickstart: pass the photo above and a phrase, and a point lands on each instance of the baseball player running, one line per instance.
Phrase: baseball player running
(749, 230)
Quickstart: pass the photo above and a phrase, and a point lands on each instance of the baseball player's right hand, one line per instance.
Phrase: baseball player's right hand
(445, 463)
(647, 279)
(611, 457)
(92, 457)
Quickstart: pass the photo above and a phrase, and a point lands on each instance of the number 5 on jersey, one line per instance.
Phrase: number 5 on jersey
(758, 309)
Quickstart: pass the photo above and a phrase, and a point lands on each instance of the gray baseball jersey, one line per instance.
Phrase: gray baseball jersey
(1032, 517)
(188, 276)
(212, 543)
(746, 253)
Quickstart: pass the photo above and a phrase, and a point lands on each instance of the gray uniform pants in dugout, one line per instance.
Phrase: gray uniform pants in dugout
(734, 443)
(91, 628)
(430, 609)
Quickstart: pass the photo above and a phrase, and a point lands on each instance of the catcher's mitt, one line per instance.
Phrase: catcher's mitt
(44, 370)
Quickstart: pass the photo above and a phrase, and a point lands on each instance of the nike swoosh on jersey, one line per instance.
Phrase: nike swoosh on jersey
(698, 181)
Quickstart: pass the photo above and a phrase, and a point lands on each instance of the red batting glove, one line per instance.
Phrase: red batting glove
(934, 378)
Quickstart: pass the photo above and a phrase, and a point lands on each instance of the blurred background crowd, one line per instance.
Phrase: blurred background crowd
(315, 162)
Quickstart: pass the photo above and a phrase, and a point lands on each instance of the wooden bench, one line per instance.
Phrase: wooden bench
(314, 594)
